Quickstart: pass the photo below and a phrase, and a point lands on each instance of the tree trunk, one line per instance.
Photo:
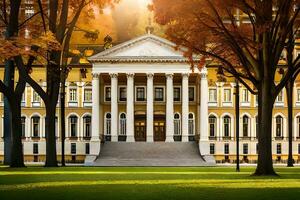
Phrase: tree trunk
(9, 82)
(17, 159)
(265, 108)
(289, 91)
(51, 156)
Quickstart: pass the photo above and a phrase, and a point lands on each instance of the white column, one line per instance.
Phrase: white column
(95, 140)
(169, 109)
(150, 107)
(185, 107)
(130, 108)
(114, 107)
(204, 141)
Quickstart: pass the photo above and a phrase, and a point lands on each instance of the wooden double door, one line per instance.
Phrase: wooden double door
(159, 128)
(159, 131)
(140, 131)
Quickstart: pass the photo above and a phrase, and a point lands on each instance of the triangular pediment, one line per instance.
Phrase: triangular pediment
(147, 47)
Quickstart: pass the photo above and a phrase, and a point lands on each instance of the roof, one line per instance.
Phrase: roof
(146, 48)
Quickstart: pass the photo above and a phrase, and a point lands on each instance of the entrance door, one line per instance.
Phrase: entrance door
(159, 131)
(140, 131)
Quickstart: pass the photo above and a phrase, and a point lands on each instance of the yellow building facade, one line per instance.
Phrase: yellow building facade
(144, 91)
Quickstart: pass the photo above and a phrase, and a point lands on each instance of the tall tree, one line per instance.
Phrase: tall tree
(10, 26)
(249, 51)
(63, 16)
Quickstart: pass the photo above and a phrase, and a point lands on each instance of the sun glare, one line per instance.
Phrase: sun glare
(145, 2)
(107, 11)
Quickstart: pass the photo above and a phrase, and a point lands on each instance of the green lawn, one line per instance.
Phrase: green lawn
(78, 183)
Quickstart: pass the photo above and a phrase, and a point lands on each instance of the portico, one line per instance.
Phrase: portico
(153, 85)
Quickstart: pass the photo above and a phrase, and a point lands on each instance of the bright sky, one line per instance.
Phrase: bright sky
(126, 20)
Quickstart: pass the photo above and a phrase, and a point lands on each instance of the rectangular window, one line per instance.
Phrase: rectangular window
(212, 149)
(278, 148)
(123, 94)
(87, 95)
(73, 148)
(73, 95)
(191, 94)
(35, 97)
(212, 95)
(140, 94)
(280, 97)
(227, 95)
(226, 148)
(298, 148)
(87, 148)
(245, 149)
(298, 95)
(177, 94)
(107, 93)
(35, 148)
(245, 95)
(159, 94)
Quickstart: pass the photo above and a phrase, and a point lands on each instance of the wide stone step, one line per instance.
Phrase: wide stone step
(150, 154)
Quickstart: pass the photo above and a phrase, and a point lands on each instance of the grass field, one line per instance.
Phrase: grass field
(78, 183)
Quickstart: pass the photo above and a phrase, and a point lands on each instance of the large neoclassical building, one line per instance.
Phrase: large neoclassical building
(143, 95)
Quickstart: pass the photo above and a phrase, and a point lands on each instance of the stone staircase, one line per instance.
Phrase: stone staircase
(150, 154)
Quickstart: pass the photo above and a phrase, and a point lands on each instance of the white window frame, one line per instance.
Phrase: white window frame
(84, 126)
(227, 103)
(84, 102)
(193, 120)
(195, 93)
(39, 126)
(178, 122)
(297, 93)
(122, 124)
(119, 93)
(280, 103)
(229, 126)
(145, 97)
(73, 86)
(177, 86)
(33, 102)
(245, 102)
(105, 124)
(215, 125)
(104, 95)
(248, 128)
(213, 103)
(164, 93)
(69, 126)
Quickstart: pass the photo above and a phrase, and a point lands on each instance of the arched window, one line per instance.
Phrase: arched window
(123, 124)
(177, 124)
(73, 125)
(23, 121)
(226, 126)
(107, 124)
(35, 124)
(212, 120)
(87, 126)
(246, 126)
(279, 126)
(191, 124)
